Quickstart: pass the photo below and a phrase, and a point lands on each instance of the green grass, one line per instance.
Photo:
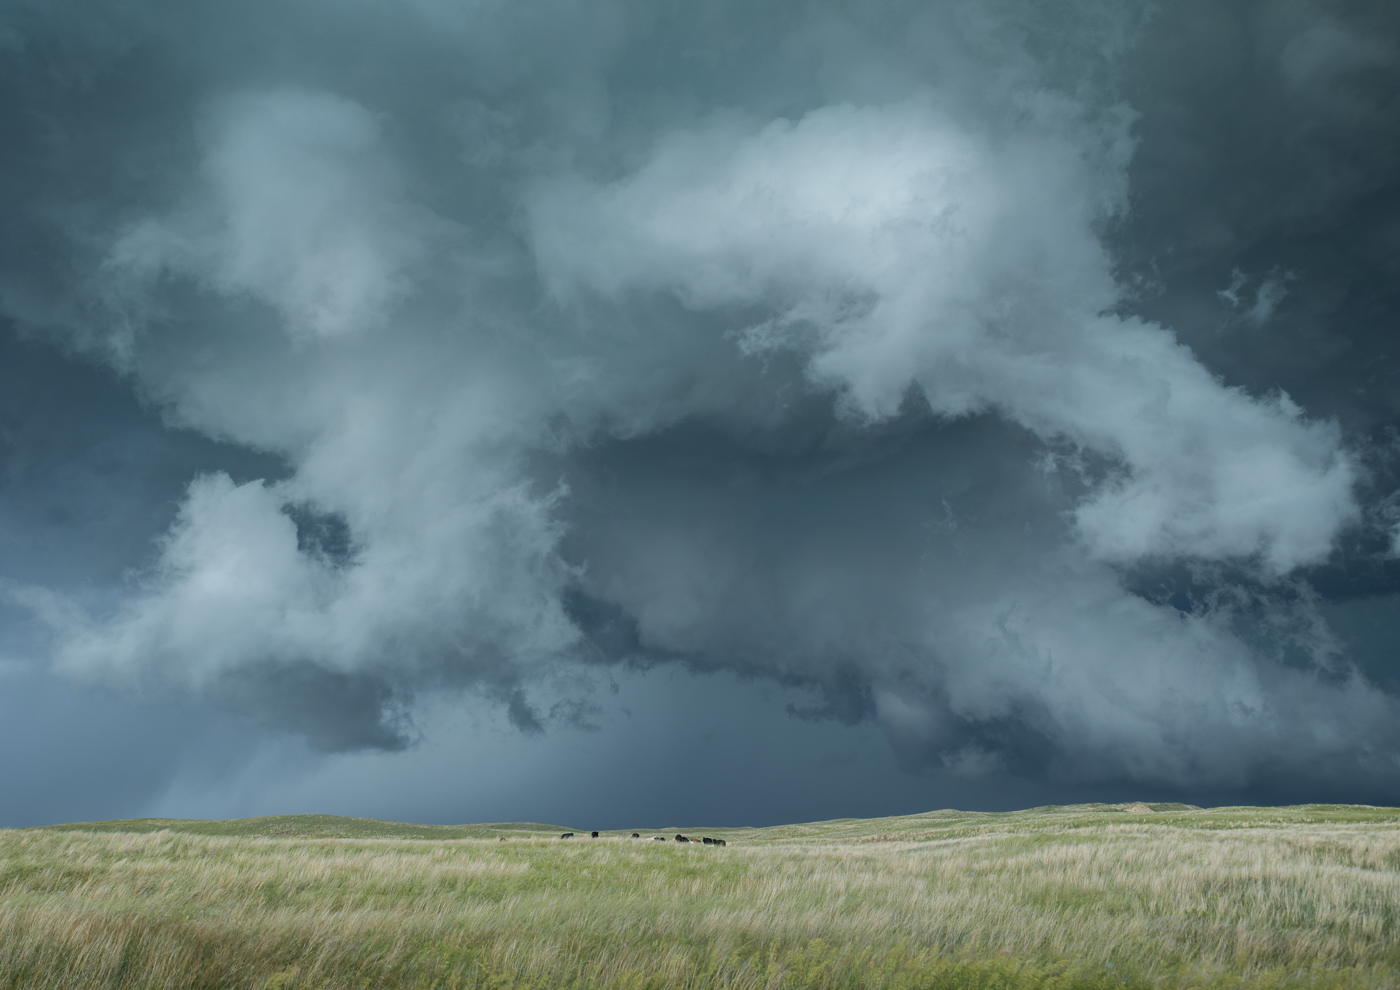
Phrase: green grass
(316, 826)
(1060, 897)
(933, 825)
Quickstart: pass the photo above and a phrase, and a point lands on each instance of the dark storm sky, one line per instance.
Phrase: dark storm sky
(644, 413)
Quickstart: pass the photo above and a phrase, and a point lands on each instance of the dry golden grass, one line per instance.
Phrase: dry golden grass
(1062, 901)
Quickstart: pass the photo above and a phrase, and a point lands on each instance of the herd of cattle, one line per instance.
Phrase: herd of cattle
(661, 838)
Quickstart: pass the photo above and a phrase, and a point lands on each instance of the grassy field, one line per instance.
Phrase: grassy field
(1090, 896)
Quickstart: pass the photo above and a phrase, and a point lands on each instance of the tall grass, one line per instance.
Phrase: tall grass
(1126, 904)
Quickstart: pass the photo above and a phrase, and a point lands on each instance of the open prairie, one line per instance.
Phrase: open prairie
(1086, 896)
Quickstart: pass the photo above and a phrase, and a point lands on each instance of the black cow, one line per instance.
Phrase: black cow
(719, 842)
(595, 835)
(636, 835)
(681, 838)
(707, 840)
(659, 838)
(567, 835)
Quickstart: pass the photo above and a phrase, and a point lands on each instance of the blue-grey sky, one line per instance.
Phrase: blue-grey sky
(630, 413)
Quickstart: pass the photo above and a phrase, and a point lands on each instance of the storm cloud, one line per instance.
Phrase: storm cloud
(1011, 379)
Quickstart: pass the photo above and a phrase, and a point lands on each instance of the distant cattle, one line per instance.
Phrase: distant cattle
(659, 838)
(681, 838)
(595, 835)
(567, 835)
(707, 840)
(636, 835)
(720, 842)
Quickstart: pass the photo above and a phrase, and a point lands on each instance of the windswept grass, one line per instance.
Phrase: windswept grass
(1054, 898)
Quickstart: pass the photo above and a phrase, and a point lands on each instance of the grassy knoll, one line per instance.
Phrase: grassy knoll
(1099, 896)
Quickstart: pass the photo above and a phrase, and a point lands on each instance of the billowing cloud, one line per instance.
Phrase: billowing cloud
(296, 209)
(896, 250)
(821, 364)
